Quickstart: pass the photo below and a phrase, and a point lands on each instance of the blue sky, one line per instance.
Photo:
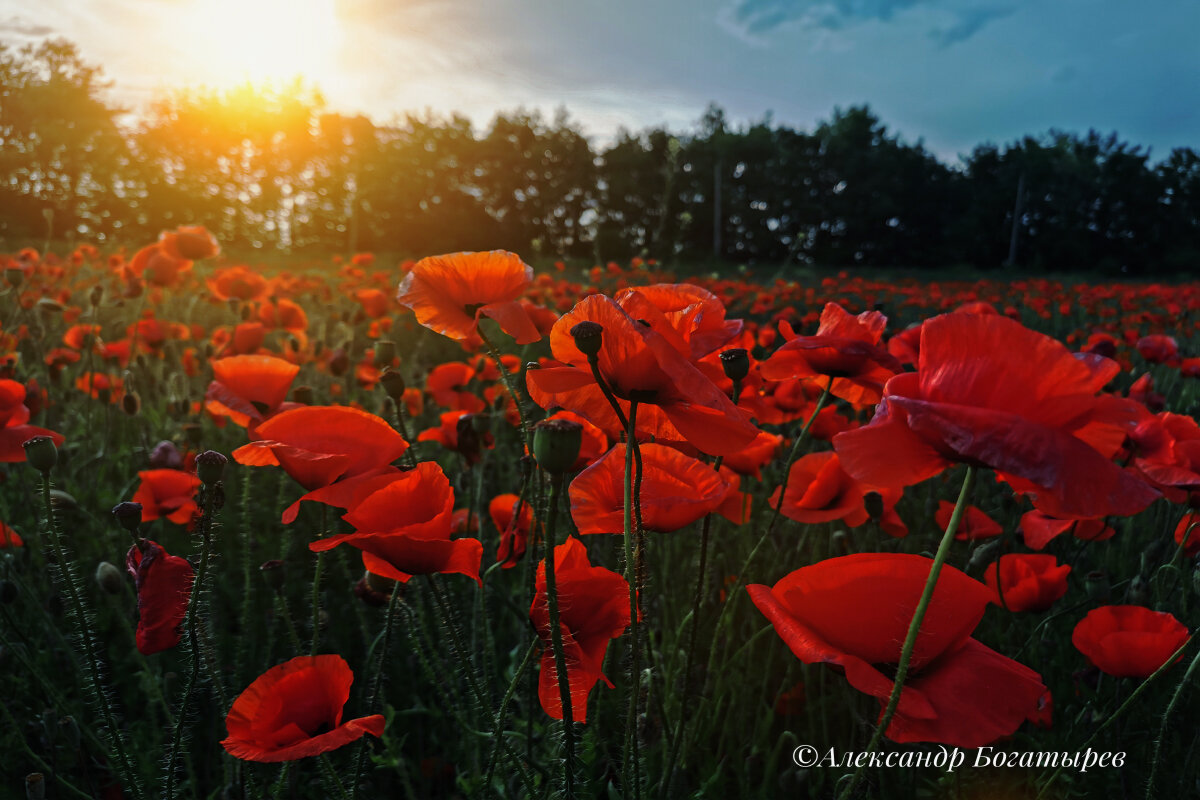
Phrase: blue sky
(952, 73)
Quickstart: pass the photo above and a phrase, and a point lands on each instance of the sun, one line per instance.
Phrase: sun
(264, 40)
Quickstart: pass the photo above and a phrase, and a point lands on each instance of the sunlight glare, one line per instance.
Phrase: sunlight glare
(265, 40)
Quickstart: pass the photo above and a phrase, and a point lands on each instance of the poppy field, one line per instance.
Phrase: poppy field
(457, 527)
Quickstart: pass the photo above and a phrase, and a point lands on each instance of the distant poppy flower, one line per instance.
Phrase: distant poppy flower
(854, 612)
(974, 523)
(158, 267)
(1026, 582)
(1158, 349)
(190, 243)
(677, 402)
(238, 282)
(375, 303)
(593, 608)
(1128, 641)
(164, 586)
(819, 490)
(404, 528)
(249, 388)
(14, 416)
(845, 348)
(1166, 449)
(317, 445)
(677, 490)
(992, 393)
(447, 384)
(9, 537)
(514, 528)
(294, 710)
(168, 493)
(1039, 529)
(449, 294)
(695, 313)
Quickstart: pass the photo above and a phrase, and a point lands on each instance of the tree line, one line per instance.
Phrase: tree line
(272, 167)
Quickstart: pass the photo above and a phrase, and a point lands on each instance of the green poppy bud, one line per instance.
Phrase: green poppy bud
(393, 384)
(129, 515)
(14, 276)
(556, 444)
(385, 351)
(109, 578)
(41, 453)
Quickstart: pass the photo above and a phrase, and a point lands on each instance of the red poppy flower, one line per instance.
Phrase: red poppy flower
(756, 455)
(190, 243)
(1166, 449)
(375, 302)
(9, 537)
(164, 585)
(993, 393)
(294, 710)
(696, 314)
(1187, 534)
(14, 415)
(404, 528)
(247, 389)
(1128, 641)
(854, 612)
(238, 282)
(593, 608)
(677, 402)
(1158, 349)
(447, 384)
(167, 493)
(1027, 582)
(845, 347)
(318, 445)
(1038, 529)
(514, 529)
(677, 490)
(450, 293)
(819, 490)
(158, 267)
(974, 523)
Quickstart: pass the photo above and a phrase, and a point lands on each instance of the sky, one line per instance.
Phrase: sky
(948, 73)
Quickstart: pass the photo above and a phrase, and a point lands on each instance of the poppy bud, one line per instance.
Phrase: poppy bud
(393, 384)
(556, 444)
(339, 362)
(165, 455)
(35, 786)
(303, 395)
(8, 592)
(385, 351)
(1136, 594)
(14, 276)
(273, 573)
(736, 363)
(379, 583)
(210, 466)
(41, 453)
(469, 440)
(96, 295)
(129, 515)
(108, 578)
(48, 306)
(589, 337)
(131, 403)
(872, 501)
(1097, 585)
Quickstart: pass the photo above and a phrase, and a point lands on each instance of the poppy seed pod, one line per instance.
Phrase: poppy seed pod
(129, 515)
(556, 444)
(35, 786)
(589, 337)
(41, 453)
(14, 276)
(108, 578)
(393, 384)
(385, 351)
(210, 467)
(131, 404)
(736, 363)
(303, 395)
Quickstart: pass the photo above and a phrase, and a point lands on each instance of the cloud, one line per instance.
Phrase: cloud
(970, 22)
(22, 27)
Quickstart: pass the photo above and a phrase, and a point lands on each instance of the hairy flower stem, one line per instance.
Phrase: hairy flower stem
(526, 431)
(191, 624)
(410, 458)
(67, 576)
(632, 760)
(793, 455)
(376, 685)
(556, 640)
(498, 728)
(1162, 731)
(910, 641)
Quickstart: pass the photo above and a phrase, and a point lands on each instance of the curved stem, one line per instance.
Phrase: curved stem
(498, 728)
(632, 758)
(914, 628)
(376, 685)
(526, 432)
(1162, 731)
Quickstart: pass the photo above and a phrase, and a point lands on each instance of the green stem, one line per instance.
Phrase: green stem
(498, 729)
(632, 758)
(190, 623)
(67, 576)
(1162, 731)
(526, 431)
(41, 765)
(376, 684)
(556, 640)
(910, 641)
